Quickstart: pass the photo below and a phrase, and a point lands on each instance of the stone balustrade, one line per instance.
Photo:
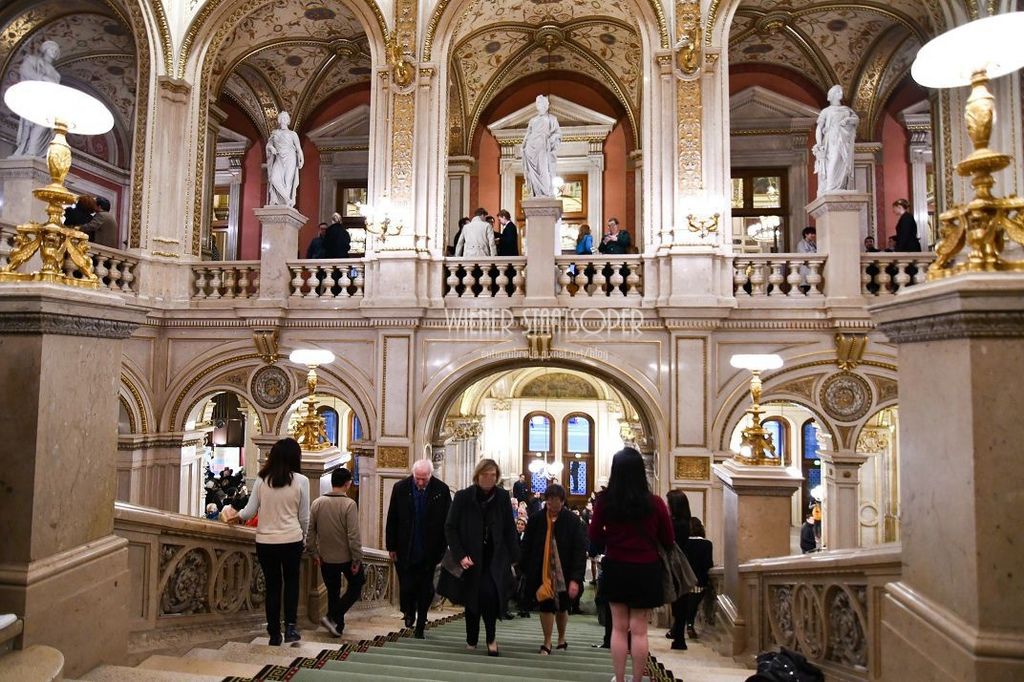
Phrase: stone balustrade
(825, 605)
(323, 279)
(883, 274)
(213, 280)
(600, 276)
(467, 278)
(204, 575)
(778, 275)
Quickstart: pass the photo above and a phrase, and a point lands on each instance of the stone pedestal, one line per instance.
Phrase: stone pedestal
(841, 506)
(955, 614)
(317, 467)
(279, 243)
(839, 219)
(61, 568)
(18, 177)
(162, 470)
(542, 244)
(757, 511)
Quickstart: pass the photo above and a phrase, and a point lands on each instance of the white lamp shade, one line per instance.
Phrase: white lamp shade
(311, 357)
(536, 466)
(756, 362)
(992, 43)
(43, 103)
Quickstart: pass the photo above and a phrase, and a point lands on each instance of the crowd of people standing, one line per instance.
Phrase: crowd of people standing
(485, 547)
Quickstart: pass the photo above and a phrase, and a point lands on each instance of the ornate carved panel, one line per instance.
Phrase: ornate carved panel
(392, 457)
(692, 468)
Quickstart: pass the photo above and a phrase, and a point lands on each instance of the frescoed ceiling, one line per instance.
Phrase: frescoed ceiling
(867, 47)
(290, 56)
(97, 55)
(497, 44)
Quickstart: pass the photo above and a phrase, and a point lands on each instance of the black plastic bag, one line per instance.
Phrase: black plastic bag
(785, 666)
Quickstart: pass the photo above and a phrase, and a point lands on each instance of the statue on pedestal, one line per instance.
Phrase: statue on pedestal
(834, 144)
(33, 140)
(284, 159)
(542, 138)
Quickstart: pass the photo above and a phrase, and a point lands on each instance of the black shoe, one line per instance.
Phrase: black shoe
(679, 644)
(291, 634)
(493, 652)
(410, 620)
(602, 645)
(523, 614)
(670, 635)
(691, 633)
(275, 639)
(508, 616)
(418, 633)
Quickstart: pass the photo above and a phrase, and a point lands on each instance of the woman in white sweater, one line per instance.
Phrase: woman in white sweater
(281, 497)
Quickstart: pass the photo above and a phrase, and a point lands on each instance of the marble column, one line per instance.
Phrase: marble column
(279, 243)
(757, 512)
(369, 510)
(841, 505)
(162, 470)
(18, 177)
(839, 219)
(60, 563)
(543, 243)
(317, 467)
(955, 613)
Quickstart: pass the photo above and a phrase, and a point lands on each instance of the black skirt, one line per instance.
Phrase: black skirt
(638, 586)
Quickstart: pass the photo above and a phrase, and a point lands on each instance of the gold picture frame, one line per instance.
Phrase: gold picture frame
(573, 194)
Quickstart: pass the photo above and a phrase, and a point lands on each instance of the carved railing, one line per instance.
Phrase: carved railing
(600, 276)
(780, 275)
(327, 279)
(214, 280)
(468, 278)
(883, 274)
(193, 573)
(826, 606)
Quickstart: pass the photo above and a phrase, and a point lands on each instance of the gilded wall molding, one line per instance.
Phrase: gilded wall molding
(140, 404)
(392, 457)
(691, 468)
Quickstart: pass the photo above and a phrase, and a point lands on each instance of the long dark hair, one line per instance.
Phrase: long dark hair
(678, 506)
(285, 459)
(628, 497)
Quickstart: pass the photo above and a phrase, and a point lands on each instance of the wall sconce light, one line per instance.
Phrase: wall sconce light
(65, 110)
(756, 442)
(382, 220)
(703, 217)
(973, 54)
(311, 431)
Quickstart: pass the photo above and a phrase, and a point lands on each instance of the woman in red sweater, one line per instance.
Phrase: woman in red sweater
(630, 522)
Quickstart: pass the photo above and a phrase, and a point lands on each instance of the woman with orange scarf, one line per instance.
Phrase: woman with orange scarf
(555, 560)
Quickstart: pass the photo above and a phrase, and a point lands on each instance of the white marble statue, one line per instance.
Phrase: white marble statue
(33, 140)
(834, 140)
(542, 139)
(284, 159)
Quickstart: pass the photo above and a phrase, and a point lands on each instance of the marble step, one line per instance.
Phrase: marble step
(306, 644)
(195, 666)
(246, 656)
(120, 673)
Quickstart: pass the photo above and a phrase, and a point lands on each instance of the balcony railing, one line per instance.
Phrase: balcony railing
(213, 280)
(778, 275)
(600, 276)
(468, 278)
(327, 279)
(883, 274)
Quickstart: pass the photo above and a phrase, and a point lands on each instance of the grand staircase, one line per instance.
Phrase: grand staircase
(363, 657)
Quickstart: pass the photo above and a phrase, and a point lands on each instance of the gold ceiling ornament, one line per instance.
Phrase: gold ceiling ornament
(266, 343)
(772, 23)
(850, 350)
(549, 37)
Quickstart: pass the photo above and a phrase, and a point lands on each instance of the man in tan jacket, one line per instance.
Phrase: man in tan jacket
(334, 540)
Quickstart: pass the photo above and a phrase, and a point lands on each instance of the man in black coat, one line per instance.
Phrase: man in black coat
(508, 242)
(415, 539)
(521, 489)
(337, 241)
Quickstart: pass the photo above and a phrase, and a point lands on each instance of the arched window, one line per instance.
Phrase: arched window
(780, 437)
(538, 445)
(330, 416)
(355, 428)
(810, 464)
(578, 457)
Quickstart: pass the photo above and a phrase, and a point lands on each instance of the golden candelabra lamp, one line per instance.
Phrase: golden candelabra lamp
(311, 431)
(382, 220)
(65, 110)
(756, 446)
(973, 54)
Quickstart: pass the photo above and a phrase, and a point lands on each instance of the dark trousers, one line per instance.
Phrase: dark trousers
(280, 564)
(679, 607)
(416, 590)
(488, 608)
(693, 602)
(337, 603)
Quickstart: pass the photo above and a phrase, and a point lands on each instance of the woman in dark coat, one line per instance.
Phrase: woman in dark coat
(679, 511)
(553, 590)
(482, 536)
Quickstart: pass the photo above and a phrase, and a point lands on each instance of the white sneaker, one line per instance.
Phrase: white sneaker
(629, 678)
(331, 626)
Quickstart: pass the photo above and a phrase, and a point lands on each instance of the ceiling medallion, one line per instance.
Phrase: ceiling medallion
(549, 37)
(773, 22)
(845, 396)
(270, 387)
(345, 48)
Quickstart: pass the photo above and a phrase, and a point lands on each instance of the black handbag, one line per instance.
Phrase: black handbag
(448, 581)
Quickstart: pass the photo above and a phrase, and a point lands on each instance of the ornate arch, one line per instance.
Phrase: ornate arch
(136, 399)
